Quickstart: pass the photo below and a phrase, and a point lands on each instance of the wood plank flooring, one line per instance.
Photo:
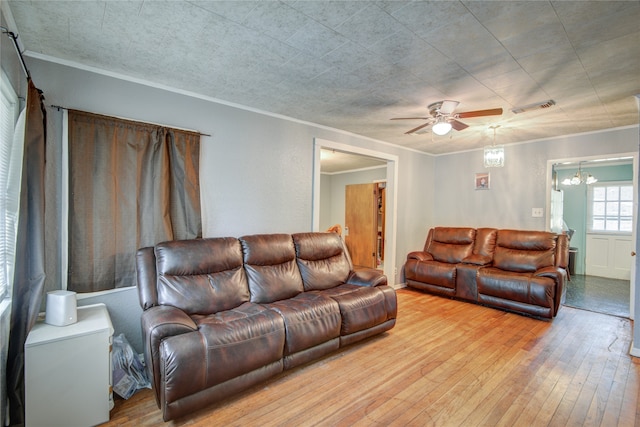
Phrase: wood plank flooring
(446, 363)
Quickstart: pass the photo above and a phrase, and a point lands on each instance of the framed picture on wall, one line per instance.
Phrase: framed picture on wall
(482, 181)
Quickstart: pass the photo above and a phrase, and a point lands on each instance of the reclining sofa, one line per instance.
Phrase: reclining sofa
(515, 270)
(222, 314)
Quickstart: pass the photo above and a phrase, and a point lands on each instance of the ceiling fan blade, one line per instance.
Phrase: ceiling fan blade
(458, 125)
(417, 129)
(410, 118)
(480, 113)
(447, 107)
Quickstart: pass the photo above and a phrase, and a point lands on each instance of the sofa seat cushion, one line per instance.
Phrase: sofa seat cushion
(433, 272)
(521, 287)
(238, 341)
(310, 319)
(363, 308)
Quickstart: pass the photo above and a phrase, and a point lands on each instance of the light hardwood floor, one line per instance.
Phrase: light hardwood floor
(446, 363)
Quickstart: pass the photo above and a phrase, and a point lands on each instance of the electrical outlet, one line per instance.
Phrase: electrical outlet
(537, 212)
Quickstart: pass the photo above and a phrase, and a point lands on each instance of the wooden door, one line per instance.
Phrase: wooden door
(382, 203)
(361, 229)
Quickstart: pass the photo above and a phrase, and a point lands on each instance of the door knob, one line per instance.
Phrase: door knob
(633, 253)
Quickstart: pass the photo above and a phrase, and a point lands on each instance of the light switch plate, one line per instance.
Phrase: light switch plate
(537, 212)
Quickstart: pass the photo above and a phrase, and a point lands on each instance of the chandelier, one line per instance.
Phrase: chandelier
(580, 178)
(494, 154)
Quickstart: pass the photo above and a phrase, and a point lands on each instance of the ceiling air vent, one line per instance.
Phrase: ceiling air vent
(536, 106)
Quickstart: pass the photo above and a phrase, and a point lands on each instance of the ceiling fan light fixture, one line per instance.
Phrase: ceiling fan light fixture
(441, 127)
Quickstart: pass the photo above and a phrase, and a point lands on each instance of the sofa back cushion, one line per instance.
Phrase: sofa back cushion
(451, 244)
(270, 264)
(322, 259)
(201, 276)
(483, 248)
(524, 251)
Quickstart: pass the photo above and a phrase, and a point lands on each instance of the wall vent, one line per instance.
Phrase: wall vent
(536, 106)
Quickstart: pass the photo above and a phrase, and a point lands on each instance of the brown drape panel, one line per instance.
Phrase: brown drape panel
(28, 283)
(131, 184)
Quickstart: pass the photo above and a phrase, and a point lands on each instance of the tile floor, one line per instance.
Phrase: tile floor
(599, 294)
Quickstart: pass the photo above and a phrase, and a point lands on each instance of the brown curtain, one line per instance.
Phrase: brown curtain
(132, 185)
(28, 282)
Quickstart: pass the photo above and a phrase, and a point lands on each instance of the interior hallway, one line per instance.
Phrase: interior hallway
(599, 294)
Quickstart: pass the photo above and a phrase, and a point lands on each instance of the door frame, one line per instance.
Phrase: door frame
(390, 269)
(634, 156)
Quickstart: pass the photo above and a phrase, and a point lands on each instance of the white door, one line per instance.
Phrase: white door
(609, 255)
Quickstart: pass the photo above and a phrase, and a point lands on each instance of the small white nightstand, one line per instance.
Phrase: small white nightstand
(68, 371)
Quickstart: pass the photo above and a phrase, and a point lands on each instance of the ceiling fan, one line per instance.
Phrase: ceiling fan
(443, 118)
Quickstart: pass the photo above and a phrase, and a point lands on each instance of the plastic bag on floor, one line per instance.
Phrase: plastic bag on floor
(129, 373)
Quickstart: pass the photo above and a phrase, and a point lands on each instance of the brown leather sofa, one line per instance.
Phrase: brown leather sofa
(222, 314)
(516, 270)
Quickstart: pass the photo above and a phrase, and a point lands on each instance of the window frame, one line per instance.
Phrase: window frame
(590, 214)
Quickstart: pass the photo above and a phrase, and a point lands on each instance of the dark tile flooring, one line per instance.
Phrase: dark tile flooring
(599, 294)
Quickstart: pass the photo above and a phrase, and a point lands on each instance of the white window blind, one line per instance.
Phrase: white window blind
(11, 148)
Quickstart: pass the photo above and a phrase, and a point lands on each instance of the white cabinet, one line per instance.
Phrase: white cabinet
(68, 371)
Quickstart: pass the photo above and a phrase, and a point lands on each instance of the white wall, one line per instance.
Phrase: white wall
(256, 170)
(517, 187)
(335, 196)
(326, 201)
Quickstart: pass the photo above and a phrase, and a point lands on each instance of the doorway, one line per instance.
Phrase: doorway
(390, 163)
(596, 248)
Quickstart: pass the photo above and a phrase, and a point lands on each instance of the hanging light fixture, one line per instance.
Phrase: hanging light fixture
(441, 126)
(494, 154)
(580, 178)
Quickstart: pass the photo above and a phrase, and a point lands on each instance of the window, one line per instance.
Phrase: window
(611, 207)
(132, 184)
(10, 169)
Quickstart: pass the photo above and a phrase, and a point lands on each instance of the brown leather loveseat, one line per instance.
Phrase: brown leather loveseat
(517, 270)
(222, 314)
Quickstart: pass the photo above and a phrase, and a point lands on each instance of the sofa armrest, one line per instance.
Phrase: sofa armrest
(556, 273)
(477, 259)
(420, 256)
(158, 323)
(366, 277)
(146, 276)
(559, 276)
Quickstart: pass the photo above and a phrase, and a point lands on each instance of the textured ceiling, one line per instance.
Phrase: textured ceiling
(353, 65)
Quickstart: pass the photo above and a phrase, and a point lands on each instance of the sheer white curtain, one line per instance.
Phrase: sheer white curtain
(11, 150)
(12, 135)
